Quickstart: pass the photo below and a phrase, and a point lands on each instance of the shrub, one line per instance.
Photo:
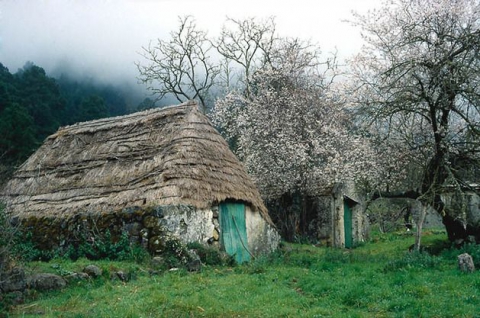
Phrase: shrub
(26, 250)
(175, 253)
(413, 260)
(7, 239)
(100, 247)
(7, 256)
(4, 240)
(106, 247)
(470, 248)
(210, 255)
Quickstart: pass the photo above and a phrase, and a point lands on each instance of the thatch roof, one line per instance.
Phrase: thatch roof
(163, 156)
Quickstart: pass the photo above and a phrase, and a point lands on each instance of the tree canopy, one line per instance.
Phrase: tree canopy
(418, 77)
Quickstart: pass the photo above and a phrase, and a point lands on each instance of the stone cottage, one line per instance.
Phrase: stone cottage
(341, 217)
(154, 174)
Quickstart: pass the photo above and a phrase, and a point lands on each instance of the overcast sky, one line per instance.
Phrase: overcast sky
(104, 37)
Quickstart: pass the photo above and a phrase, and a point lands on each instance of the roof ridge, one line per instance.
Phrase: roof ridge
(123, 120)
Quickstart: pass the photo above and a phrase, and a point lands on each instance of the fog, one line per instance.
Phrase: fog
(101, 39)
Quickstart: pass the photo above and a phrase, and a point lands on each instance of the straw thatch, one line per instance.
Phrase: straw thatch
(166, 156)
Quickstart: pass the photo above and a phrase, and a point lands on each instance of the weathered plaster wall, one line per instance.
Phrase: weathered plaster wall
(360, 225)
(325, 219)
(473, 215)
(262, 237)
(360, 222)
(338, 225)
(189, 224)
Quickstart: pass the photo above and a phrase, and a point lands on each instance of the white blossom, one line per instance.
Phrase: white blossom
(292, 133)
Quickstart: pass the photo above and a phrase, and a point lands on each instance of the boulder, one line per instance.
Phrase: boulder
(77, 276)
(122, 276)
(133, 229)
(193, 264)
(13, 280)
(46, 281)
(158, 262)
(16, 298)
(156, 244)
(93, 271)
(150, 222)
(465, 263)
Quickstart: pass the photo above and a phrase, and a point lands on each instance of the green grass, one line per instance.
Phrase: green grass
(377, 279)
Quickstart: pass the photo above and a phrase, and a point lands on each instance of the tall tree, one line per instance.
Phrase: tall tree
(7, 87)
(76, 90)
(248, 44)
(17, 131)
(180, 66)
(92, 107)
(290, 132)
(420, 67)
(184, 68)
(40, 95)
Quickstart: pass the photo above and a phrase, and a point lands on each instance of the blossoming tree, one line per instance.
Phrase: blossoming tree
(290, 131)
(418, 78)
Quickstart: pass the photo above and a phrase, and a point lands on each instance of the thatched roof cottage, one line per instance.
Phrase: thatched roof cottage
(152, 173)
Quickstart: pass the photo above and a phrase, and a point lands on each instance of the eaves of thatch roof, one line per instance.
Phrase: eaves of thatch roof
(163, 156)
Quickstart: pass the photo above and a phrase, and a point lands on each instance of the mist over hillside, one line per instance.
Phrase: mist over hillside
(123, 94)
(34, 103)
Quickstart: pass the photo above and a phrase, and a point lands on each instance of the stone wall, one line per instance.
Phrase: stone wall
(330, 220)
(325, 219)
(361, 225)
(262, 237)
(462, 214)
(149, 226)
(466, 208)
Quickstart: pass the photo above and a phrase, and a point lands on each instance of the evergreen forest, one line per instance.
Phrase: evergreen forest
(34, 104)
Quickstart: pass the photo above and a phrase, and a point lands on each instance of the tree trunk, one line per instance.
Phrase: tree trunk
(420, 221)
(456, 230)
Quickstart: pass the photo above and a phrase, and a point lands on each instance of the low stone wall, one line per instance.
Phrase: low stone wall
(148, 226)
(152, 227)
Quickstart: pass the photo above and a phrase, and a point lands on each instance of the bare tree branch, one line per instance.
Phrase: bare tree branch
(181, 66)
(247, 43)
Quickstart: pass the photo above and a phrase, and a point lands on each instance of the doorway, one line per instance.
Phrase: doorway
(347, 221)
(234, 231)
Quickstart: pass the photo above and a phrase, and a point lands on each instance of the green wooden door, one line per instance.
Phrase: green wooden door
(347, 221)
(234, 231)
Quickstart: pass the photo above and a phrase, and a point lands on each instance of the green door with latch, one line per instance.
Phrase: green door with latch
(347, 221)
(234, 231)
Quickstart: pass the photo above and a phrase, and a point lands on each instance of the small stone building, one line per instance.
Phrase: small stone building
(341, 217)
(155, 174)
(462, 213)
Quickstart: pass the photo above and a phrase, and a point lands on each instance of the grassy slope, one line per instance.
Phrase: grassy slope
(377, 279)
